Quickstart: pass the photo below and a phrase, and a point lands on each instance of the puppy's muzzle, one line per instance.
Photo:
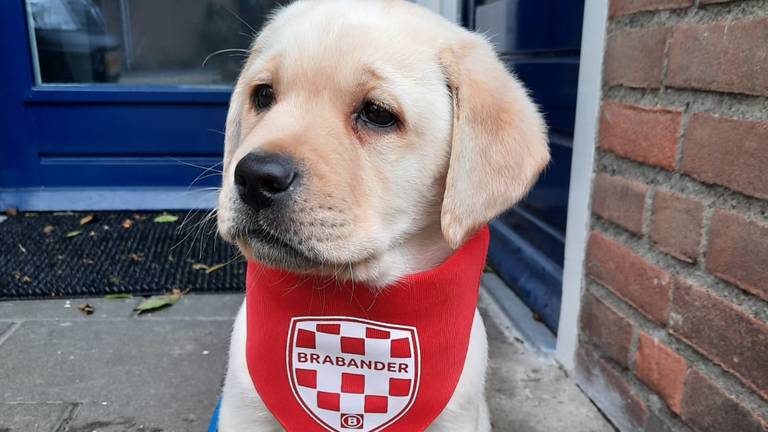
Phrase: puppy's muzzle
(263, 180)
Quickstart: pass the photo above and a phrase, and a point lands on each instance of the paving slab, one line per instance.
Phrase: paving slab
(528, 392)
(162, 375)
(201, 306)
(4, 328)
(114, 418)
(32, 417)
(21, 310)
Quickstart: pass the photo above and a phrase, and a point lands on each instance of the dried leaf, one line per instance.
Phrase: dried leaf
(11, 212)
(23, 249)
(48, 230)
(86, 308)
(92, 233)
(87, 219)
(73, 233)
(26, 280)
(165, 218)
(139, 217)
(127, 224)
(215, 267)
(158, 302)
(136, 257)
(22, 278)
(115, 280)
(207, 268)
(119, 296)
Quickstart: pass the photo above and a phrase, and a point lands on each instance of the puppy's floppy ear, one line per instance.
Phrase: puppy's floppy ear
(499, 143)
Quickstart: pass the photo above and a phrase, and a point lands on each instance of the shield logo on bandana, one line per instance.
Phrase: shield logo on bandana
(352, 374)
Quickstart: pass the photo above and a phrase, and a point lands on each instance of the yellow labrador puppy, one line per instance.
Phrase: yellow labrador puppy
(368, 139)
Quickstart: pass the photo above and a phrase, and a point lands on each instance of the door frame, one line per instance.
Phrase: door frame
(582, 168)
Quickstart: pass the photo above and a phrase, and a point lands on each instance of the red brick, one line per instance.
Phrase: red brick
(643, 285)
(626, 7)
(607, 329)
(635, 58)
(645, 135)
(610, 389)
(723, 333)
(728, 152)
(723, 56)
(708, 408)
(661, 369)
(621, 201)
(676, 225)
(738, 252)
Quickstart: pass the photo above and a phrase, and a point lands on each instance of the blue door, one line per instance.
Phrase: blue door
(540, 41)
(108, 103)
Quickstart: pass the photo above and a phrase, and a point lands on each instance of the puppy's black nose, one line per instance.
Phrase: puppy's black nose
(263, 178)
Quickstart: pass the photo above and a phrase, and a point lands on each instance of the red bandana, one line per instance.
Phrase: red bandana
(331, 356)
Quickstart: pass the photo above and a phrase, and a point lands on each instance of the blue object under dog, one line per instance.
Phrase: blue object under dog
(214, 426)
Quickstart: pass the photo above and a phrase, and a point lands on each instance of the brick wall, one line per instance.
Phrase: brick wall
(674, 333)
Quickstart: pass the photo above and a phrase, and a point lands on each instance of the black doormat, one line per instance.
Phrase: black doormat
(45, 255)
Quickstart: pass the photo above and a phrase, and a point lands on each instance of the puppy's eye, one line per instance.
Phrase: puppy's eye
(377, 115)
(263, 97)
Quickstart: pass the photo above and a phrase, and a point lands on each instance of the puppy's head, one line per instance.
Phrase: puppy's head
(357, 124)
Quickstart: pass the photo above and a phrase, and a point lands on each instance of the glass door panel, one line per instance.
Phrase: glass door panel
(135, 42)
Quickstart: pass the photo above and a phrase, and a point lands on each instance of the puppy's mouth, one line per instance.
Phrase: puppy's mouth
(287, 250)
(274, 240)
(276, 249)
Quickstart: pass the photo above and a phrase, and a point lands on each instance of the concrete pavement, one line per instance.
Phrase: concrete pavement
(63, 371)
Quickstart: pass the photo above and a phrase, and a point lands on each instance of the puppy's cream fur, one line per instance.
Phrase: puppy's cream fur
(377, 205)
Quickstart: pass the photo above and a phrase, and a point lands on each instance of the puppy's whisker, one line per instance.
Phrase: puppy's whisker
(241, 20)
(193, 230)
(233, 260)
(187, 218)
(222, 51)
(202, 226)
(182, 226)
(191, 190)
(202, 167)
(203, 175)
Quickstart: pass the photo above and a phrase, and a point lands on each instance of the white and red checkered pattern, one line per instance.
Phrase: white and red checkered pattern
(352, 374)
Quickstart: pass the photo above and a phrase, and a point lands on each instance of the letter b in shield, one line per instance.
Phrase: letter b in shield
(352, 421)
